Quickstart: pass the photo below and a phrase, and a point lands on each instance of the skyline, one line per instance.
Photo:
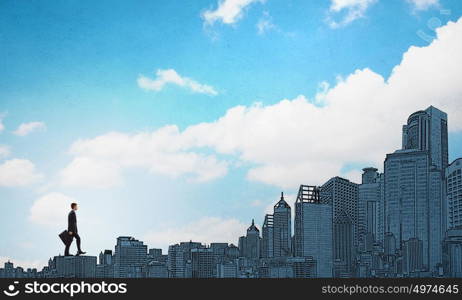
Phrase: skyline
(155, 135)
(357, 215)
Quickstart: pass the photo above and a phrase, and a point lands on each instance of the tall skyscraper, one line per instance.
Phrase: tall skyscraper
(176, 261)
(267, 242)
(344, 246)
(282, 229)
(249, 245)
(130, 257)
(427, 130)
(454, 194)
(371, 219)
(313, 229)
(343, 196)
(414, 190)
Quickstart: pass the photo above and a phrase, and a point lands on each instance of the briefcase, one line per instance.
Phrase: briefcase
(65, 237)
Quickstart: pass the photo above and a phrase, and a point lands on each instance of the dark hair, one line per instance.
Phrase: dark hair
(73, 205)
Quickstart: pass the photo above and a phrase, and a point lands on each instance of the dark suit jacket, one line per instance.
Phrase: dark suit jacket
(72, 222)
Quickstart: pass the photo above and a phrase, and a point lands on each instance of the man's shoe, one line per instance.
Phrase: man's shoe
(80, 253)
(68, 255)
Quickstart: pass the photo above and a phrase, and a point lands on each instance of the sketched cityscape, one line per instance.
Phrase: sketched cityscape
(405, 222)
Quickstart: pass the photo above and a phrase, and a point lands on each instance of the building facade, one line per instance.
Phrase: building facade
(267, 242)
(371, 213)
(414, 185)
(75, 266)
(342, 195)
(202, 263)
(453, 182)
(130, 258)
(313, 229)
(452, 252)
(282, 229)
(249, 245)
(179, 259)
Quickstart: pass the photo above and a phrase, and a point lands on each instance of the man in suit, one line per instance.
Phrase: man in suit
(72, 230)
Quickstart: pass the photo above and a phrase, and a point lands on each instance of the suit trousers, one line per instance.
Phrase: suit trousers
(77, 238)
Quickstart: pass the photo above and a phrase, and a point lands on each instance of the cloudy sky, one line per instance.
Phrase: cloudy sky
(178, 120)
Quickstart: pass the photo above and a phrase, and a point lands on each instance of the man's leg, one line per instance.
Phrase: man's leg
(66, 250)
(77, 239)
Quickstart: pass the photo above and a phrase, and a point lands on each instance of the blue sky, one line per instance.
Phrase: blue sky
(217, 74)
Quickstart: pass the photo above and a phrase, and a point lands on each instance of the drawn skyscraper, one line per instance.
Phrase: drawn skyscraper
(249, 245)
(267, 242)
(371, 217)
(454, 194)
(313, 229)
(282, 229)
(414, 184)
(428, 131)
(343, 196)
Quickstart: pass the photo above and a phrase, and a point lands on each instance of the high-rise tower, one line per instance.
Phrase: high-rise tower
(454, 194)
(371, 207)
(267, 240)
(342, 194)
(313, 229)
(414, 190)
(282, 233)
(427, 130)
(249, 245)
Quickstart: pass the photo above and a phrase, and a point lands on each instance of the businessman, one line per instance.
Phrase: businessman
(72, 230)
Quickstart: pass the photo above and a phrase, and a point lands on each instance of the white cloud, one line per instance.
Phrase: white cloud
(98, 162)
(51, 210)
(4, 151)
(88, 172)
(357, 121)
(38, 264)
(349, 9)
(228, 11)
(26, 128)
(302, 140)
(18, 172)
(423, 4)
(170, 76)
(205, 230)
